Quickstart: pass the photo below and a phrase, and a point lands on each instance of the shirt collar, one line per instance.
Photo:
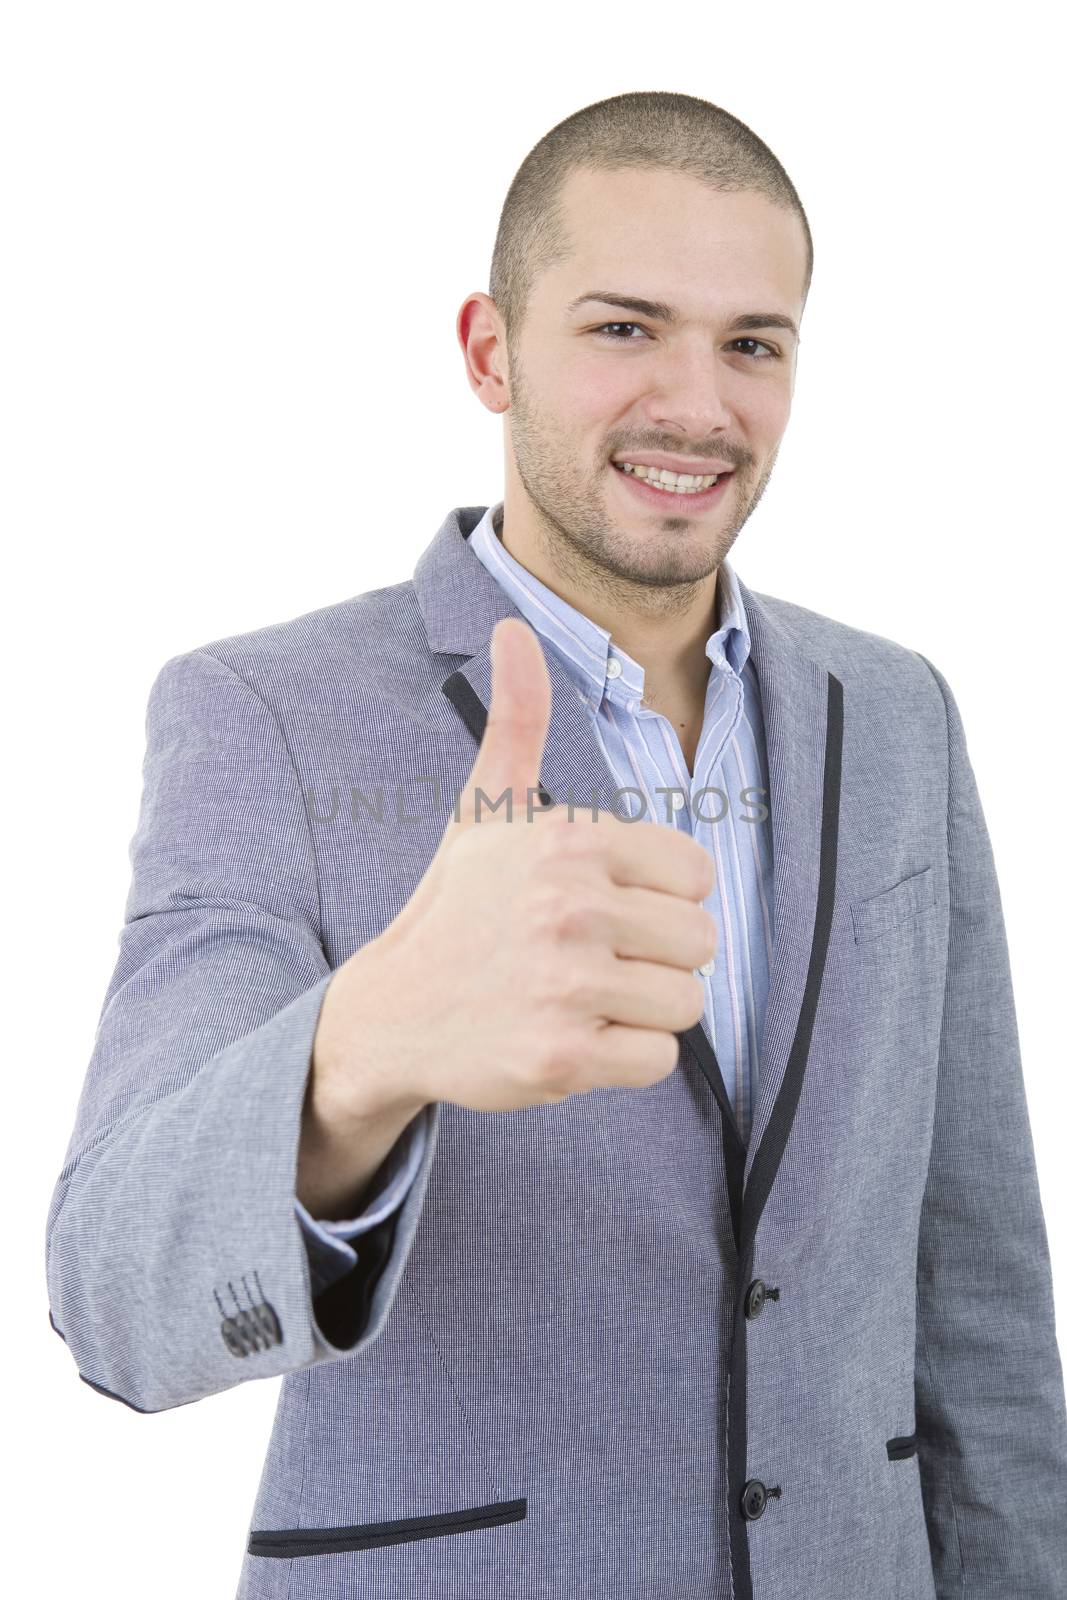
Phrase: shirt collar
(602, 668)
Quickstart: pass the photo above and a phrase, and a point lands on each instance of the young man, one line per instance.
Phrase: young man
(632, 1210)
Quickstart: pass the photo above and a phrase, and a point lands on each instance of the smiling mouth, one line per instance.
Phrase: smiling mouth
(668, 496)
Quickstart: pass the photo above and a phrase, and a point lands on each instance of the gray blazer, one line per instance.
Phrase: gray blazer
(603, 1349)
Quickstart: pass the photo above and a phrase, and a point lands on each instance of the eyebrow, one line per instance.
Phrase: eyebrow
(663, 313)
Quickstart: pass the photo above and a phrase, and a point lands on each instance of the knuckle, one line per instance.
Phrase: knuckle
(572, 839)
(546, 909)
(556, 833)
(562, 911)
(583, 916)
(554, 1065)
(581, 989)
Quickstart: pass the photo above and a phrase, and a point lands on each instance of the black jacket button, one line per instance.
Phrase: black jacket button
(757, 1294)
(753, 1499)
(231, 1338)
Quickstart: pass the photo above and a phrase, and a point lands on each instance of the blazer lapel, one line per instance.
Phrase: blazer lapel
(802, 706)
(803, 715)
(573, 768)
(461, 604)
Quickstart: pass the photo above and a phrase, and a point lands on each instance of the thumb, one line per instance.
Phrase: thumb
(520, 707)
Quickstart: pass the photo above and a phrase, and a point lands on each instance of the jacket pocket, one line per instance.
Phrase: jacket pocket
(288, 1542)
(904, 1445)
(890, 907)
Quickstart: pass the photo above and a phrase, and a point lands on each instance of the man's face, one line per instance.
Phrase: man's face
(592, 382)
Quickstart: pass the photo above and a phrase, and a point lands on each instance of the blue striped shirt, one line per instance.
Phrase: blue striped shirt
(723, 805)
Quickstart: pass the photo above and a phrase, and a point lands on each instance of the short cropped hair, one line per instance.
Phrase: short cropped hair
(642, 130)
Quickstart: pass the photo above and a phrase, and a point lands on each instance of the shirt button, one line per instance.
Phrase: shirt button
(707, 969)
(614, 667)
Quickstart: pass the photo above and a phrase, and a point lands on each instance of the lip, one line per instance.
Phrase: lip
(674, 505)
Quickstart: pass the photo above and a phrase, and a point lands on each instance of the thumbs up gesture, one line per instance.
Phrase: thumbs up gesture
(539, 956)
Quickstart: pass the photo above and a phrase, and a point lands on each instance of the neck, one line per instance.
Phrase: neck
(664, 629)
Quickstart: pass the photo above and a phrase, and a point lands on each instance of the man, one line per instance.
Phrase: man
(632, 1211)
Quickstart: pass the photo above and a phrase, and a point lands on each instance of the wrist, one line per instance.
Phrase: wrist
(358, 1069)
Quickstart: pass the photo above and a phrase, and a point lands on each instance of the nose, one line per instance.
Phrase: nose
(689, 396)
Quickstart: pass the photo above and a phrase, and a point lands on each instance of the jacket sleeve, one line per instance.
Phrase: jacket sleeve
(990, 1412)
(176, 1263)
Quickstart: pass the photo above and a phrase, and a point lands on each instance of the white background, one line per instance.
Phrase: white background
(237, 237)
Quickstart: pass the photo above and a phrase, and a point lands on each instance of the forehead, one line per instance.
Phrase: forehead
(668, 236)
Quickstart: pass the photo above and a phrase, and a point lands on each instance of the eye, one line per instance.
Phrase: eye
(772, 353)
(604, 327)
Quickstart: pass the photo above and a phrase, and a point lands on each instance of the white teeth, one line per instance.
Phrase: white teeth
(671, 482)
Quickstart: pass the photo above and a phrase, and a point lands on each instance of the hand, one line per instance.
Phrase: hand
(541, 956)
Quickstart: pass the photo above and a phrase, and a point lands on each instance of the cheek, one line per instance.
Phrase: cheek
(578, 397)
(601, 395)
(763, 415)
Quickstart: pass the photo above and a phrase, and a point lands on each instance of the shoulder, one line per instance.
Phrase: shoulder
(859, 658)
(358, 629)
(352, 648)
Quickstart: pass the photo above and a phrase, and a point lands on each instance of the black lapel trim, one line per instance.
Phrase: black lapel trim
(456, 689)
(734, 1152)
(772, 1145)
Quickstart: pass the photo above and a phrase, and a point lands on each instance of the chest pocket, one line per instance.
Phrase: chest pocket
(898, 904)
